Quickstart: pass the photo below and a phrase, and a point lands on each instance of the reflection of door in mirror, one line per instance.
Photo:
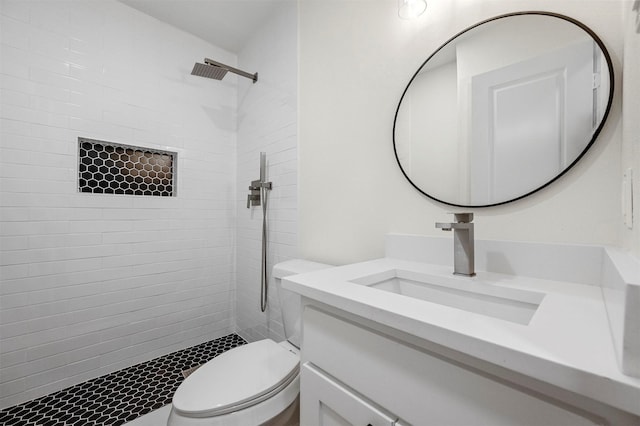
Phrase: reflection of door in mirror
(521, 115)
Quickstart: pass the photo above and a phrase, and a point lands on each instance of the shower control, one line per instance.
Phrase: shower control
(258, 188)
(253, 198)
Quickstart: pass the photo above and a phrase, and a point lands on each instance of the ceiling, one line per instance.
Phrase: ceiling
(225, 23)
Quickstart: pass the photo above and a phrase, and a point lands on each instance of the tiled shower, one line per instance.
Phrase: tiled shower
(91, 282)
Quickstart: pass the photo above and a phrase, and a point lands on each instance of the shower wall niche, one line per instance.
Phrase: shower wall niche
(111, 168)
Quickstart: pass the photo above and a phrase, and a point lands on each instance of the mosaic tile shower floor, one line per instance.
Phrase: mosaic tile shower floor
(118, 397)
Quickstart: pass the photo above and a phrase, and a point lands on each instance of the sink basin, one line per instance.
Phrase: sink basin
(470, 295)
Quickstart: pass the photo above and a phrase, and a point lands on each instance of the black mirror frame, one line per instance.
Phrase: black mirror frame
(605, 53)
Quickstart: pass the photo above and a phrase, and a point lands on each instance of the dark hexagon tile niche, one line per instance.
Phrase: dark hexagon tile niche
(111, 168)
(118, 397)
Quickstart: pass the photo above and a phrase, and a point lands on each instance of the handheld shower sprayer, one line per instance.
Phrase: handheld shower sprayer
(256, 197)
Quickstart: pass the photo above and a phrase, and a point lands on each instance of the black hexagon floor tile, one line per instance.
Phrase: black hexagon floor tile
(118, 397)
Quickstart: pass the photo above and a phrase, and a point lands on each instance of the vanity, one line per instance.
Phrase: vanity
(527, 341)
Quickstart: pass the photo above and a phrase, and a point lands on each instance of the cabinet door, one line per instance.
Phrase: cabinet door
(325, 402)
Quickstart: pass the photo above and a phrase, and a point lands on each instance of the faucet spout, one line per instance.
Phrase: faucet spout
(454, 225)
(444, 226)
(463, 243)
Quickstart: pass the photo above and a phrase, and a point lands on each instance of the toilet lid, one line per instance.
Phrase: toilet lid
(238, 378)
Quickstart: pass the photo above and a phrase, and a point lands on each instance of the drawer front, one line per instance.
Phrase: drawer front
(419, 387)
(327, 402)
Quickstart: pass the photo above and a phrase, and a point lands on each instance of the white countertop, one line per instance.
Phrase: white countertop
(567, 343)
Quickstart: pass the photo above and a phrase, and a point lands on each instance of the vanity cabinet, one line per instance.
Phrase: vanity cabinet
(354, 374)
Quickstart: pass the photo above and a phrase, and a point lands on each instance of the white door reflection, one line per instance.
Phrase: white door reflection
(529, 121)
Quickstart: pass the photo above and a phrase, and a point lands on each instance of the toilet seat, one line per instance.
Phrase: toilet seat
(251, 373)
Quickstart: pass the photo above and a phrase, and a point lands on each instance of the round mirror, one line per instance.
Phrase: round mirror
(503, 109)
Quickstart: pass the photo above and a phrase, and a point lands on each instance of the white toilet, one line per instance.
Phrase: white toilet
(253, 384)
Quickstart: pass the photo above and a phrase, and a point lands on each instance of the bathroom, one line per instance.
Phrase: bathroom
(95, 283)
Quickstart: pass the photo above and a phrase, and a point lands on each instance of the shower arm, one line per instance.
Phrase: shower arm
(253, 77)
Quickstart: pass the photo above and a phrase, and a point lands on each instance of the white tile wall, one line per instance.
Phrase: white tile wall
(94, 283)
(267, 121)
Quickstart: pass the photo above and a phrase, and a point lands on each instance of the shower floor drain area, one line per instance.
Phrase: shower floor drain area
(118, 397)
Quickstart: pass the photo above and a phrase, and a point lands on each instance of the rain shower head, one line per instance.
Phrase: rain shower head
(208, 71)
(217, 70)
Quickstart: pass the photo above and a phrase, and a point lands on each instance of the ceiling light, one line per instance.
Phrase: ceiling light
(409, 9)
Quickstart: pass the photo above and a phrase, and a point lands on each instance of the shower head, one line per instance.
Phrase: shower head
(208, 71)
(216, 70)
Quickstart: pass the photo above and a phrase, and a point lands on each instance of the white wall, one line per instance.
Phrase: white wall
(267, 122)
(352, 192)
(630, 114)
(95, 283)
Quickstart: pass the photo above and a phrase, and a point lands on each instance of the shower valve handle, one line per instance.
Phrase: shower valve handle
(253, 200)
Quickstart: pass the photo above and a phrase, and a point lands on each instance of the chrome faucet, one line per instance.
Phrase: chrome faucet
(463, 244)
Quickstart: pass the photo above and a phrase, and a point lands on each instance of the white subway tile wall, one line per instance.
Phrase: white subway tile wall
(267, 122)
(94, 283)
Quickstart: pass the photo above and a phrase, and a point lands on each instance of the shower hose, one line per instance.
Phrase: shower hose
(264, 283)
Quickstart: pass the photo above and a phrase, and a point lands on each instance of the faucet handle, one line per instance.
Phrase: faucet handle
(462, 217)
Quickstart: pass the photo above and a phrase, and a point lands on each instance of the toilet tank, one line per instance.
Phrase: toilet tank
(289, 301)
